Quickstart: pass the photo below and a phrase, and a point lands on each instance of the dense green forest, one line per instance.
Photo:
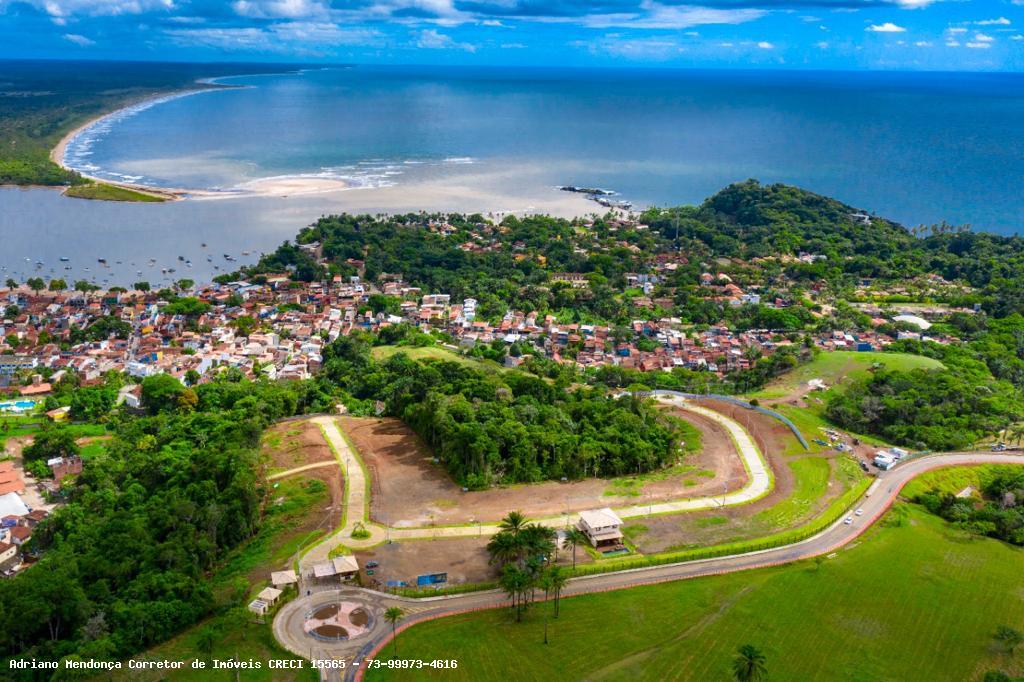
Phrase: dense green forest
(125, 561)
(999, 514)
(489, 427)
(42, 100)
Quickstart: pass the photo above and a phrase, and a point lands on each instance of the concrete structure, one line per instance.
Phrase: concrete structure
(11, 504)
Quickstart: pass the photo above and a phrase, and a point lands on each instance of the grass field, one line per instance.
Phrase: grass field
(954, 479)
(834, 367)
(811, 422)
(433, 353)
(810, 476)
(917, 601)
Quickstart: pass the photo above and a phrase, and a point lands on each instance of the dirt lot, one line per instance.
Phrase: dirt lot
(293, 444)
(296, 443)
(409, 489)
(464, 559)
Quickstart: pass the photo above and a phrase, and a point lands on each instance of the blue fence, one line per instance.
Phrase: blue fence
(741, 403)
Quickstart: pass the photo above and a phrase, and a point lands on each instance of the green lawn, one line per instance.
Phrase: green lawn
(811, 476)
(954, 479)
(917, 601)
(433, 353)
(834, 367)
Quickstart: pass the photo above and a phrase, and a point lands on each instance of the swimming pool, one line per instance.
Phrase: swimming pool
(17, 405)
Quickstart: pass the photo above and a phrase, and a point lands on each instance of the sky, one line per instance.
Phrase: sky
(945, 35)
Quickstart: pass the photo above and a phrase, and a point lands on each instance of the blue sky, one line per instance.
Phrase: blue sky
(829, 34)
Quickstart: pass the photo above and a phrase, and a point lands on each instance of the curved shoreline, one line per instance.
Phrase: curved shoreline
(274, 186)
(58, 153)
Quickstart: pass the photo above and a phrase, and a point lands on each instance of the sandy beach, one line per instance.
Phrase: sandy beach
(282, 186)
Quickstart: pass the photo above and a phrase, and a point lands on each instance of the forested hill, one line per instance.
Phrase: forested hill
(763, 220)
(520, 258)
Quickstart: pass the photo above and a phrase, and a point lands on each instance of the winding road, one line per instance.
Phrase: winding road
(873, 504)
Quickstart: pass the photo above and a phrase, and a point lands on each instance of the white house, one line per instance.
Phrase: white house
(602, 527)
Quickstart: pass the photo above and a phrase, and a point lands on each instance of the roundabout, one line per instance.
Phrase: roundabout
(338, 621)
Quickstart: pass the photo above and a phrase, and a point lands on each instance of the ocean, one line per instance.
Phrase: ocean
(915, 147)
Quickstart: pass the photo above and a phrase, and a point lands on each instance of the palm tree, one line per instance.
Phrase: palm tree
(514, 522)
(574, 537)
(538, 540)
(516, 582)
(556, 581)
(393, 615)
(503, 547)
(749, 664)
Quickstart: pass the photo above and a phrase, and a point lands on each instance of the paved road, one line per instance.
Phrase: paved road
(299, 470)
(874, 504)
(356, 509)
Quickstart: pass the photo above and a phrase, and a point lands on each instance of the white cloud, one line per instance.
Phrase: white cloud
(978, 46)
(492, 22)
(79, 40)
(303, 37)
(914, 4)
(765, 45)
(923, 43)
(663, 17)
(1001, 21)
(982, 38)
(277, 9)
(513, 46)
(67, 8)
(823, 45)
(887, 27)
(431, 39)
(1017, 37)
(952, 43)
(956, 29)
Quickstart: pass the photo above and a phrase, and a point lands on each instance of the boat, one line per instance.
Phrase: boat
(64, 259)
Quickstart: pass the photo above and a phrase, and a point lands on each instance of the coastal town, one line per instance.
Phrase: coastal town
(277, 328)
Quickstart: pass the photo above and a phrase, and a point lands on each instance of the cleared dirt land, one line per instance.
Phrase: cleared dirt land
(293, 444)
(465, 560)
(410, 490)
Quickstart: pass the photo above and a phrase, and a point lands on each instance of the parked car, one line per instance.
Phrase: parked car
(859, 512)
(849, 520)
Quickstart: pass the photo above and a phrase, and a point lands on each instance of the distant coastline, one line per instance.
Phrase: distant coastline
(268, 188)
(58, 153)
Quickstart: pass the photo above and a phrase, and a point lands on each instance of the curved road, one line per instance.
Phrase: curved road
(874, 504)
(759, 483)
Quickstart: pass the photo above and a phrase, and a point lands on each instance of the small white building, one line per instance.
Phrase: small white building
(603, 527)
(282, 578)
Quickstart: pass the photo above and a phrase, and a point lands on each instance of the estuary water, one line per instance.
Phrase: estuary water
(915, 147)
